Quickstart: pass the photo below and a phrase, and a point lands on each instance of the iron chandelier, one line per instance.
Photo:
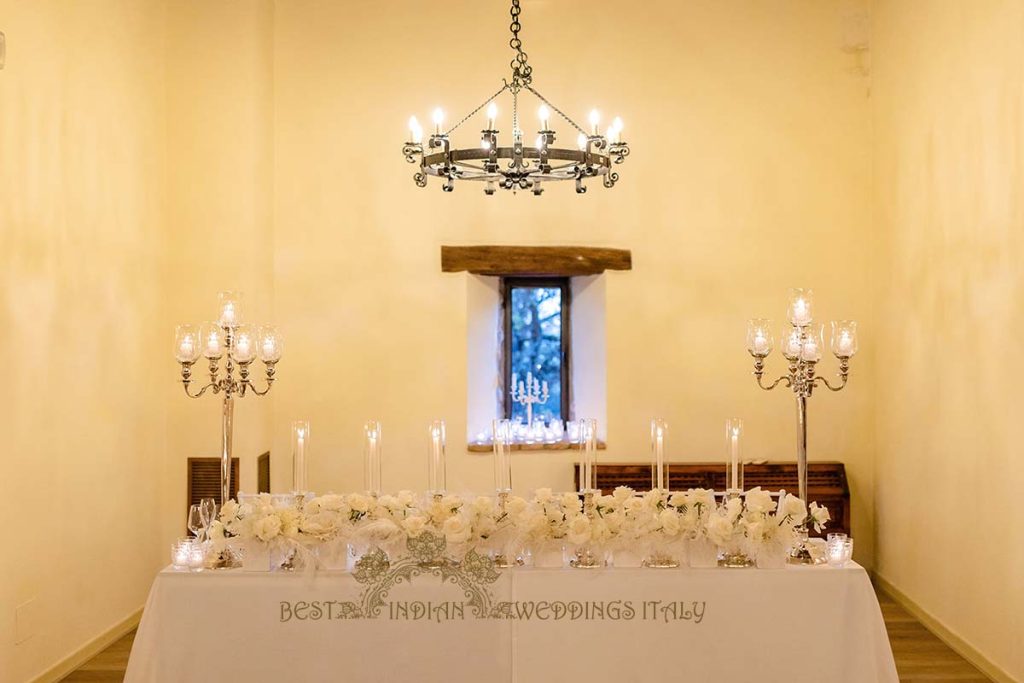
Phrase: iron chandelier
(518, 167)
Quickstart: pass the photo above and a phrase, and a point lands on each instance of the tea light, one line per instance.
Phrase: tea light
(196, 558)
(180, 552)
(839, 551)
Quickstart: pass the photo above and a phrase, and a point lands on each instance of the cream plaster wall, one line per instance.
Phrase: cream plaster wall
(750, 174)
(948, 113)
(220, 193)
(83, 322)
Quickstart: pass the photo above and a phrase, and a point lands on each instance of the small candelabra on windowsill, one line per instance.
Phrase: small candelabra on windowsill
(801, 347)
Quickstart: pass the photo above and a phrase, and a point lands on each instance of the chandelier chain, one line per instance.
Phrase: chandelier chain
(473, 113)
(556, 109)
(522, 72)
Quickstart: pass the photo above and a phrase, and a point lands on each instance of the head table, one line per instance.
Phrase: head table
(814, 624)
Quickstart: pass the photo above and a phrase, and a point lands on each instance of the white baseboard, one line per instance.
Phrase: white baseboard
(90, 649)
(955, 642)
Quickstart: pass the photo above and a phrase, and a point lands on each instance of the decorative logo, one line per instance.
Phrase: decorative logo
(378, 575)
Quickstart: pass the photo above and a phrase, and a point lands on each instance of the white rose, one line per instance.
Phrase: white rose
(332, 502)
(290, 519)
(483, 505)
(720, 529)
(793, 508)
(543, 495)
(570, 500)
(484, 527)
(359, 502)
(578, 532)
(678, 499)
(456, 530)
(451, 502)
(820, 515)
(229, 511)
(217, 530)
(704, 497)
(414, 525)
(621, 493)
(406, 498)
(669, 522)
(267, 528)
(516, 506)
(390, 502)
(758, 501)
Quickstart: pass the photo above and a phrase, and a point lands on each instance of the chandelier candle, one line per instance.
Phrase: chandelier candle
(659, 472)
(516, 167)
(372, 457)
(801, 347)
(300, 453)
(435, 458)
(229, 340)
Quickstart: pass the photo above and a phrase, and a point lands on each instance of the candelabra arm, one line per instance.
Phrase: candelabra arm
(202, 391)
(774, 384)
(252, 387)
(828, 385)
(844, 374)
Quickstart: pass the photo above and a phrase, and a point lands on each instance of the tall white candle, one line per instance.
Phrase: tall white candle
(588, 453)
(735, 448)
(733, 431)
(372, 457)
(658, 429)
(436, 475)
(300, 450)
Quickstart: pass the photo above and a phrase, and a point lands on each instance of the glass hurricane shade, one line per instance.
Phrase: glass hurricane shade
(187, 343)
(213, 341)
(844, 338)
(243, 348)
(760, 339)
(270, 345)
(801, 302)
(230, 314)
(791, 345)
(810, 349)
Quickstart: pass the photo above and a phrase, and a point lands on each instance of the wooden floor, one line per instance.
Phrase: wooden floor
(920, 656)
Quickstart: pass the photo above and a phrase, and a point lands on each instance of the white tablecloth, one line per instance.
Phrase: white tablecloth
(813, 624)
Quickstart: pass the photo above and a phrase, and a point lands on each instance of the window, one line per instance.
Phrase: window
(536, 341)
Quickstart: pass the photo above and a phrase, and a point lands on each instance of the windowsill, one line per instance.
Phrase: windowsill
(564, 445)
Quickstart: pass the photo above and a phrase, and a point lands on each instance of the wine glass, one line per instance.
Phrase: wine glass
(195, 520)
(208, 513)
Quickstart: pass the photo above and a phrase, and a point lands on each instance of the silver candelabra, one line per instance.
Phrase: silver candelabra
(237, 345)
(801, 347)
(528, 393)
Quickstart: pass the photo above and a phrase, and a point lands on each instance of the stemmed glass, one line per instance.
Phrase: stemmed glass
(195, 520)
(207, 513)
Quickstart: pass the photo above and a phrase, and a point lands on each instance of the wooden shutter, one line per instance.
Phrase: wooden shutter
(204, 480)
(263, 473)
